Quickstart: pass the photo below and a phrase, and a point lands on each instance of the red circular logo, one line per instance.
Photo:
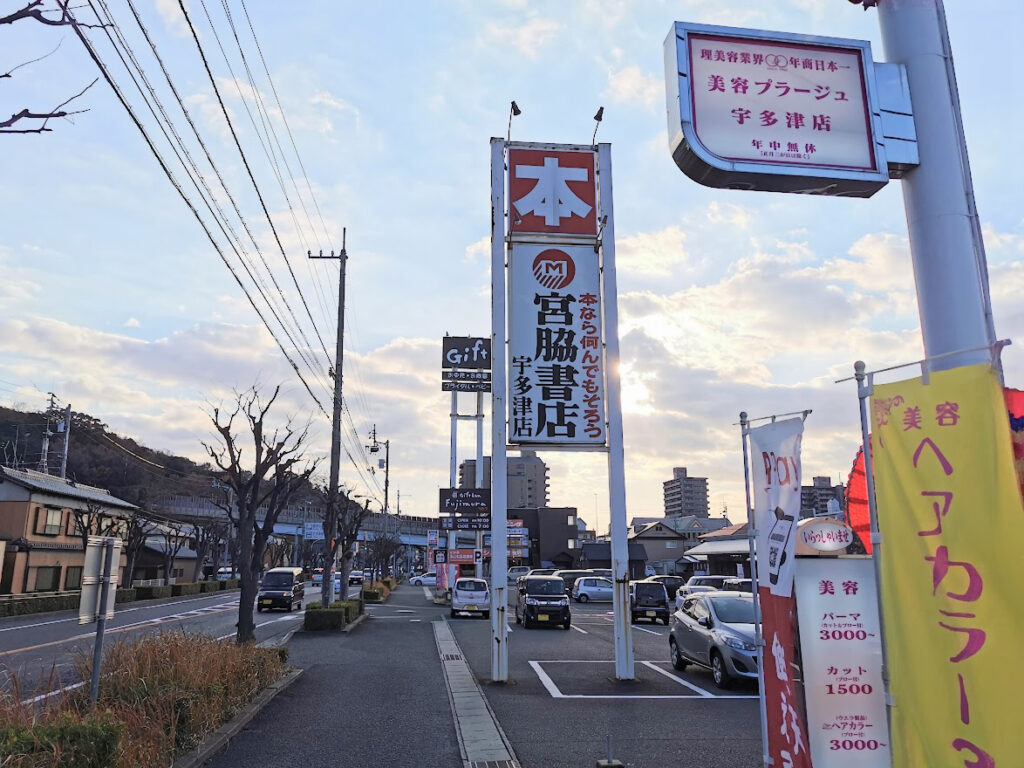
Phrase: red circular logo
(554, 269)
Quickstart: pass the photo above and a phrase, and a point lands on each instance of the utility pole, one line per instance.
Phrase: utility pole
(331, 517)
(43, 465)
(67, 438)
(374, 448)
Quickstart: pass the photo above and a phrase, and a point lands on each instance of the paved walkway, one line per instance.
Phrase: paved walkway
(483, 743)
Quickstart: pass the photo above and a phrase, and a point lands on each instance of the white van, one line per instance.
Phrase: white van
(470, 595)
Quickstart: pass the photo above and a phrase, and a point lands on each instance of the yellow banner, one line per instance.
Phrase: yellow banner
(951, 520)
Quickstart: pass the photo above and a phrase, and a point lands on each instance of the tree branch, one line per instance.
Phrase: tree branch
(10, 72)
(33, 11)
(25, 114)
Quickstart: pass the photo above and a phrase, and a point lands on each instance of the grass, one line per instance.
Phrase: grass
(160, 695)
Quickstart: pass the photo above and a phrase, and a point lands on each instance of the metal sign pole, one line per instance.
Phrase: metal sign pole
(452, 483)
(946, 246)
(624, 666)
(864, 391)
(758, 637)
(478, 479)
(499, 476)
(101, 620)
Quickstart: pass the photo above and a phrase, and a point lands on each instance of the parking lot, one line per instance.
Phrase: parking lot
(562, 695)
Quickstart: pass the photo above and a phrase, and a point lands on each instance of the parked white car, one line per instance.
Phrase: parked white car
(589, 588)
(515, 572)
(424, 580)
(699, 584)
(471, 595)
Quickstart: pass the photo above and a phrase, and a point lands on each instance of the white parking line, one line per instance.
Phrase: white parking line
(648, 631)
(427, 594)
(42, 696)
(573, 626)
(666, 673)
(556, 693)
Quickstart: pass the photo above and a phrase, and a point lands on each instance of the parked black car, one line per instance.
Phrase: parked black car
(542, 600)
(672, 583)
(281, 588)
(648, 600)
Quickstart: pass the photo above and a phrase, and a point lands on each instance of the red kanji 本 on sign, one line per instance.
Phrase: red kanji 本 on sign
(552, 192)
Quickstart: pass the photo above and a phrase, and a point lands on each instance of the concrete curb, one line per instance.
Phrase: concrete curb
(220, 738)
(359, 619)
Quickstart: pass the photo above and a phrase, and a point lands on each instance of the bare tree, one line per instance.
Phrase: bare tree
(264, 483)
(93, 521)
(174, 537)
(348, 519)
(279, 552)
(137, 528)
(382, 548)
(207, 535)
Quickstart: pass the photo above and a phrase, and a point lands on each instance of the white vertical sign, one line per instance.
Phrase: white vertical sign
(841, 648)
(556, 374)
(775, 480)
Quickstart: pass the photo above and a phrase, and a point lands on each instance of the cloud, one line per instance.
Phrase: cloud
(172, 16)
(131, 322)
(528, 38)
(478, 251)
(633, 87)
(653, 254)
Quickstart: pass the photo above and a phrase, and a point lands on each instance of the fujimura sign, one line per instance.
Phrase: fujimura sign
(556, 351)
(772, 111)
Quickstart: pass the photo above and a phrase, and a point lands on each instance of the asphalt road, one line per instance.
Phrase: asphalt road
(41, 650)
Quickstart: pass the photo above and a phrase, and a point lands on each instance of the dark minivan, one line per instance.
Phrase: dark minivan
(281, 588)
(648, 600)
(542, 600)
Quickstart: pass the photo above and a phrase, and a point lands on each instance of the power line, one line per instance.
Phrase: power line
(167, 172)
(245, 162)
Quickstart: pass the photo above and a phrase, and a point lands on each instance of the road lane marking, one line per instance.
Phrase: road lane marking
(691, 686)
(546, 681)
(120, 612)
(426, 592)
(115, 630)
(573, 626)
(42, 696)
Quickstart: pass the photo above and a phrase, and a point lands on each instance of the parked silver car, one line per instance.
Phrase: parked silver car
(716, 630)
(589, 588)
(699, 584)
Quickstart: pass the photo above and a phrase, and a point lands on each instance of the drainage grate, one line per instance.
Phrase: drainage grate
(452, 657)
(494, 764)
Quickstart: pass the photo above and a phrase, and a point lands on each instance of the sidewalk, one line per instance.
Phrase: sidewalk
(375, 696)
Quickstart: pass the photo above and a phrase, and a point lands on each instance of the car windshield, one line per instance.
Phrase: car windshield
(277, 580)
(650, 590)
(544, 587)
(472, 585)
(734, 610)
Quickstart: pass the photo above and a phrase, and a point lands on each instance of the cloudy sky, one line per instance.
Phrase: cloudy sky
(113, 298)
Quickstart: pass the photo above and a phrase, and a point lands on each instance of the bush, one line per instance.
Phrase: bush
(373, 595)
(317, 619)
(70, 741)
(125, 595)
(149, 593)
(209, 586)
(232, 583)
(390, 584)
(185, 588)
(20, 606)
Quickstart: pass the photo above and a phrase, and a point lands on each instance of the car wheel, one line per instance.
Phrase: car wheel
(452, 613)
(632, 618)
(567, 625)
(487, 614)
(289, 606)
(718, 671)
(665, 620)
(677, 658)
(584, 598)
(259, 609)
